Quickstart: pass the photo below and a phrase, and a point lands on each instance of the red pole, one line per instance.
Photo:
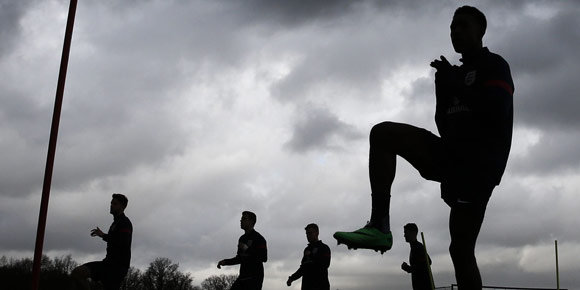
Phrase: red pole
(52, 145)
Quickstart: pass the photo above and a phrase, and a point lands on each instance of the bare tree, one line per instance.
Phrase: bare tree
(64, 264)
(162, 274)
(133, 280)
(221, 282)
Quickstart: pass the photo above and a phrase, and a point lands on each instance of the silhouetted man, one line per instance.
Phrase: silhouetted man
(111, 270)
(252, 253)
(315, 262)
(417, 258)
(474, 116)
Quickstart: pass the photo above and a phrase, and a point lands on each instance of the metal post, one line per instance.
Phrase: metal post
(557, 268)
(52, 146)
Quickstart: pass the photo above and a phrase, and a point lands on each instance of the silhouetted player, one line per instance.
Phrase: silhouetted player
(252, 252)
(315, 262)
(417, 258)
(474, 116)
(111, 270)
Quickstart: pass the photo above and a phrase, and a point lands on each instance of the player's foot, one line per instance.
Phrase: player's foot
(368, 237)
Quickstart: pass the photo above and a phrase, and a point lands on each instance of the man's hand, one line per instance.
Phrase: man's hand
(446, 76)
(97, 232)
(289, 282)
(441, 65)
(406, 267)
(220, 264)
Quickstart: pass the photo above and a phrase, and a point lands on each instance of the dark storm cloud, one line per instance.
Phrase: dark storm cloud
(10, 13)
(355, 60)
(319, 129)
(543, 54)
(348, 63)
(290, 13)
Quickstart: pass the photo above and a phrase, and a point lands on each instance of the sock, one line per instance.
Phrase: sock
(380, 212)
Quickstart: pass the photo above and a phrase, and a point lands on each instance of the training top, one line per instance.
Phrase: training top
(118, 240)
(418, 267)
(314, 267)
(252, 252)
(474, 116)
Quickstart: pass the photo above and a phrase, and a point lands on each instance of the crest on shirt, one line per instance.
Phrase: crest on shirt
(470, 78)
(455, 101)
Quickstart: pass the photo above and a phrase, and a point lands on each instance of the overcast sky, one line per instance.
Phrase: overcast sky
(198, 110)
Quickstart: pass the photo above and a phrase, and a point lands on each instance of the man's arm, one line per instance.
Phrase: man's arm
(297, 275)
(495, 99)
(446, 84)
(322, 260)
(98, 233)
(125, 234)
(229, 262)
(406, 267)
(258, 251)
(235, 260)
(300, 272)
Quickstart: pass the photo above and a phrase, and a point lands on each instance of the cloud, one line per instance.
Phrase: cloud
(198, 110)
(320, 129)
(554, 153)
(544, 80)
(10, 16)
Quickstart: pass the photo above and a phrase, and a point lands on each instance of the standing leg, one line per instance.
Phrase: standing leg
(79, 277)
(238, 285)
(465, 222)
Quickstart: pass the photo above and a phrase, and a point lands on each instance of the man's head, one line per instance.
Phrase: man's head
(410, 232)
(118, 204)
(311, 233)
(248, 220)
(467, 29)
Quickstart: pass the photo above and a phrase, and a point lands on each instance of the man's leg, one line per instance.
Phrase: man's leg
(387, 140)
(465, 222)
(80, 276)
(257, 283)
(113, 277)
(238, 285)
(419, 147)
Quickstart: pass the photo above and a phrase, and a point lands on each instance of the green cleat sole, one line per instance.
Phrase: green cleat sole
(366, 238)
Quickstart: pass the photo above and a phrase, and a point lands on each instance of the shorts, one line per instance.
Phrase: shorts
(458, 193)
(110, 275)
(250, 283)
(460, 182)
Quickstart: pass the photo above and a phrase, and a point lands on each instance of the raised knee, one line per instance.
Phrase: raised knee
(381, 130)
(80, 272)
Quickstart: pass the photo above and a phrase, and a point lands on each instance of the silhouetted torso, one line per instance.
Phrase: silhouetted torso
(252, 258)
(419, 271)
(314, 267)
(474, 116)
(118, 240)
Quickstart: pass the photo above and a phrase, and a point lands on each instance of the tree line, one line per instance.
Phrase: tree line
(161, 274)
